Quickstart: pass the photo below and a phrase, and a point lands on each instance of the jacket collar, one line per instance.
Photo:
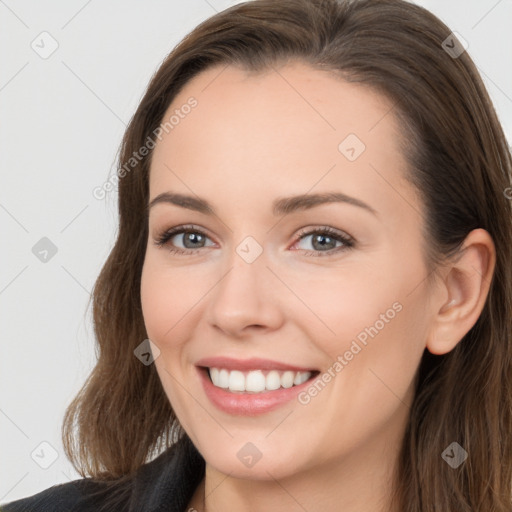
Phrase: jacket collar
(167, 483)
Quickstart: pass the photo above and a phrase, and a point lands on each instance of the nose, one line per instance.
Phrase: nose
(246, 299)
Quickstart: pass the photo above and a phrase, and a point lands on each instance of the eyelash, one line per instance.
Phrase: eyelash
(348, 242)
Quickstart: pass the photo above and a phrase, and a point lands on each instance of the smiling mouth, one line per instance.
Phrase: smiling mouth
(256, 381)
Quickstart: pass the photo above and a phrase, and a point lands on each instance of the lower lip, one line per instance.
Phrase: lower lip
(249, 404)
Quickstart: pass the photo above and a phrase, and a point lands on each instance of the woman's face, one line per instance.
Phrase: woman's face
(253, 280)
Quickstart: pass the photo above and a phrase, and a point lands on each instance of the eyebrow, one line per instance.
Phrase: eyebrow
(281, 206)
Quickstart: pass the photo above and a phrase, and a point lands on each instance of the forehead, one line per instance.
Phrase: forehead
(289, 129)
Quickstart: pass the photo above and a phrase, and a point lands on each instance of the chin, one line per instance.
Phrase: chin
(239, 457)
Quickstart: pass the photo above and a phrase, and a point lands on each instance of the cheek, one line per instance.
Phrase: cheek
(371, 318)
(346, 303)
(374, 356)
(383, 336)
(380, 301)
(378, 373)
(171, 301)
(156, 303)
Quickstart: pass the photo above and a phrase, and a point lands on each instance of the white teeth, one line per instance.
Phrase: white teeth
(214, 374)
(273, 380)
(301, 377)
(287, 379)
(236, 381)
(223, 381)
(255, 381)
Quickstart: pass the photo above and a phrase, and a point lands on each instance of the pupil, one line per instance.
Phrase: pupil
(191, 236)
(323, 237)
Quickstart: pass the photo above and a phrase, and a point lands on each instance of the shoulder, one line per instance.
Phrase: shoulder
(71, 496)
(166, 483)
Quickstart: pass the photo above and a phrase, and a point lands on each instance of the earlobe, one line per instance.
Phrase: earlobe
(466, 283)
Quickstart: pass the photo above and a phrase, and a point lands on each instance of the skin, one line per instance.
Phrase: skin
(251, 139)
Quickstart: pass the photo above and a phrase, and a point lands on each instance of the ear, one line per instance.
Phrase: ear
(463, 289)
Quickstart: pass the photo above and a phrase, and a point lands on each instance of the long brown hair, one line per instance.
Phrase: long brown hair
(460, 162)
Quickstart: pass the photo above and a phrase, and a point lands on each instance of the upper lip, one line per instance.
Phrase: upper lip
(254, 363)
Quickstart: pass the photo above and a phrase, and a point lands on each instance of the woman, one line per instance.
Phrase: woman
(308, 303)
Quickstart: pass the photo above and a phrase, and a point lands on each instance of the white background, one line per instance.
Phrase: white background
(62, 121)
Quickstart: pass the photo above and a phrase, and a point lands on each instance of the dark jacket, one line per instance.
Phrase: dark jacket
(167, 483)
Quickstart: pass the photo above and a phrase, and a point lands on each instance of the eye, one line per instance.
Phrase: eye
(191, 237)
(324, 241)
